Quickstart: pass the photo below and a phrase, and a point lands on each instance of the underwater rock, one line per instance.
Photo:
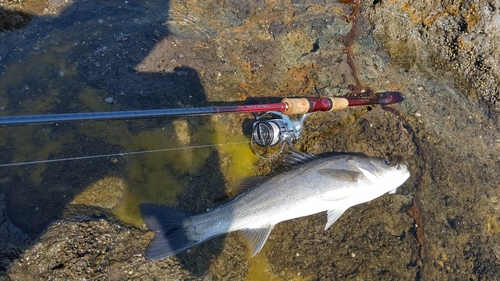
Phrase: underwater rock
(105, 193)
(13, 241)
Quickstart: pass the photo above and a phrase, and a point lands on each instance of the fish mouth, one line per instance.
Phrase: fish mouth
(402, 167)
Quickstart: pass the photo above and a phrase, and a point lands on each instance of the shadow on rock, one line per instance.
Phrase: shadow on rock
(96, 44)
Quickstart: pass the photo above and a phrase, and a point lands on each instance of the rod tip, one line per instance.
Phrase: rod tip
(389, 97)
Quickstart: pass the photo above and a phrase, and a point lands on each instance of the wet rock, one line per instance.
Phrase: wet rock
(103, 248)
(457, 40)
(442, 224)
(90, 249)
(13, 241)
(11, 20)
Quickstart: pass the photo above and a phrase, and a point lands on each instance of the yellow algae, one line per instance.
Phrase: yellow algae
(237, 149)
(112, 134)
(128, 212)
(3, 104)
(105, 193)
(47, 86)
(259, 268)
(40, 92)
(39, 104)
(155, 177)
(35, 143)
(146, 185)
(188, 161)
(151, 180)
(158, 177)
(181, 128)
(180, 158)
(95, 102)
(493, 225)
(5, 179)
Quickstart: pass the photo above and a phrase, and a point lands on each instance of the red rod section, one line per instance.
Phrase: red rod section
(382, 98)
(321, 104)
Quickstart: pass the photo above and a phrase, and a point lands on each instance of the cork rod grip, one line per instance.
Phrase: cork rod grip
(338, 103)
(306, 105)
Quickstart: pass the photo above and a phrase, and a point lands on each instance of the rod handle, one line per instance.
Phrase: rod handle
(306, 105)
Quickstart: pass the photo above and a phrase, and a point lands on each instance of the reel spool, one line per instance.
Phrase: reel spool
(275, 128)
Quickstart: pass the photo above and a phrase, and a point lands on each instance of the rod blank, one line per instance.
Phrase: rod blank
(287, 106)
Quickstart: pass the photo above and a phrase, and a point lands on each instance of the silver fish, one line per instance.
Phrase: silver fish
(311, 185)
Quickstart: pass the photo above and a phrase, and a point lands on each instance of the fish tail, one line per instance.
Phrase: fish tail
(170, 234)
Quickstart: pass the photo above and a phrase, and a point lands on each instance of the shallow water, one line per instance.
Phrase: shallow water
(91, 56)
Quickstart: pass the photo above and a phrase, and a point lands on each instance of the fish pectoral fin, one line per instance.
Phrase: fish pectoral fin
(257, 237)
(341, 175)
(333, 216)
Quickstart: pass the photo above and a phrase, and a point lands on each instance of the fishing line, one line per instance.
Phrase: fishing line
(116, 154)
(267, 131)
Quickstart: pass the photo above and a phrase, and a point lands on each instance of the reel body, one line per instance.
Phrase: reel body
(274, 128)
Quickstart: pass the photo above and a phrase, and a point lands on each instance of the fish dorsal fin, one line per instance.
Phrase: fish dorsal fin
(295, 157)
(247, 183)
(341, 175)
(257, 237)
(333, 216)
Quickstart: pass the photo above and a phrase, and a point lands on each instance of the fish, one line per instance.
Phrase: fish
(310, 184)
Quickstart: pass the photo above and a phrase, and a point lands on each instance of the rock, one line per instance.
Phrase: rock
(456, 40)
(105, 193)
(442, 224)
(13, 241)
(102, 248)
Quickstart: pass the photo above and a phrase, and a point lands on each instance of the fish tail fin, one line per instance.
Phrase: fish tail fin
(170, 234)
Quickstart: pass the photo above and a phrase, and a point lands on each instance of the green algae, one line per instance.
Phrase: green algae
(179, 150)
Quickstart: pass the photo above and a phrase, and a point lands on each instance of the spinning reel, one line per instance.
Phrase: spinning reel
(275, 128)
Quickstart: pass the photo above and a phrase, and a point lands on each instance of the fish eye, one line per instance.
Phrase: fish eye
(387, 162)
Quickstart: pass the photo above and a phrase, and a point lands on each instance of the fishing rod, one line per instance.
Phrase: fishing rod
(273, 126)
(287, 106)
